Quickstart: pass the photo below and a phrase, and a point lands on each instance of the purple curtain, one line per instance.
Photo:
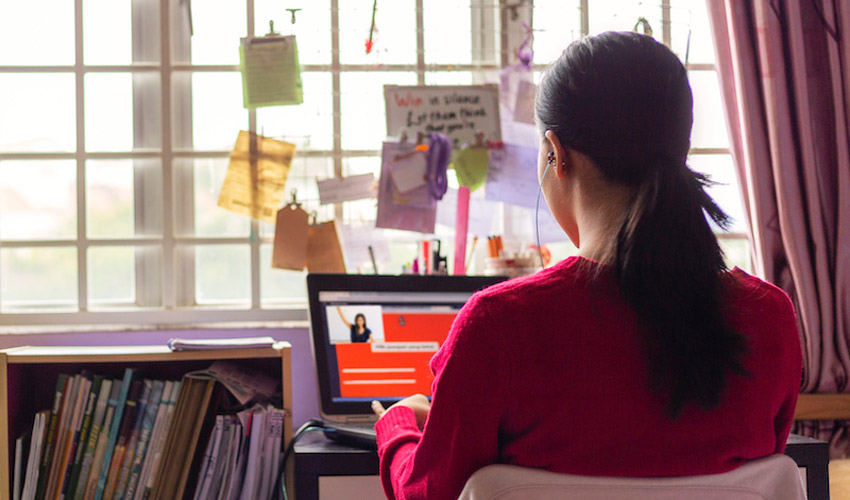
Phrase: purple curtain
(784, 68)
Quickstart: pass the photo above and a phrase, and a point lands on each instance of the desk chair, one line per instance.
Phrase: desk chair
(775, 477)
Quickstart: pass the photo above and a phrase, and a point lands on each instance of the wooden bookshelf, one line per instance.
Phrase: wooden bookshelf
(28, 377)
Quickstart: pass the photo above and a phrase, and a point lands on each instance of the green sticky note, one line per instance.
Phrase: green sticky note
(470, 165)
(271, 73)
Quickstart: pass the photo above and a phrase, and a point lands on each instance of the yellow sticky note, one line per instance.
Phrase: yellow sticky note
(470, 165)
(256, 176)
(271, 73)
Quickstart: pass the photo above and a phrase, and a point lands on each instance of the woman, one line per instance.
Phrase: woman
(359, 331)
(643, 355)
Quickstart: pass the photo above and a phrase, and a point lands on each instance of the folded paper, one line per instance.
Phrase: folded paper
(271, 73)
(256, 176)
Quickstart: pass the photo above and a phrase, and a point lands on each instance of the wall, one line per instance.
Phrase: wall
(305, 392)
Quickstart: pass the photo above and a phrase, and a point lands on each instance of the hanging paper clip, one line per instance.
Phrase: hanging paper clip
(313, 218)
(294, 200)
(293, 11)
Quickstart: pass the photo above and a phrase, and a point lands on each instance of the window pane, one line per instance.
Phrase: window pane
(737, 252)
(204, 177)
(709, 120)
(691, 15)
(363, 113)
(449, 78)
(556, 24)
(37, 33)
(38, 199)
(38, 279)
(111, 276)
(394, 34)
(108, 31)
(279, 285)
(25, 100)
(312, 28)
(110, 108)
(727, 192)
(216, 110)
(622, 15)
(448, 16)
(113, 209)
(223, 274)
(308, 125)
(217, 26)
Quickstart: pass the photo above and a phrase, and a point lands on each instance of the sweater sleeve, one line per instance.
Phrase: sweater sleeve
(461, 431)
(792, 363)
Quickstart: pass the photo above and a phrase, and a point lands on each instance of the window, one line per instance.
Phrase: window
(115, 133)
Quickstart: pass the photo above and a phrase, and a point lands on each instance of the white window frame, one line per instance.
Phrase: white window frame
(176, 273)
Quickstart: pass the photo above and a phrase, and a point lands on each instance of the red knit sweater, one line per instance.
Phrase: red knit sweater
(547, 371)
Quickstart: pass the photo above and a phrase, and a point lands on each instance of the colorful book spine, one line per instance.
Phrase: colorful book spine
(120, 448)
(81, 439)
(91, 439)
(154, 439)
(70, 401)
(133, 439)
(62, 384)
(176, 392)
(145, 433)
(102, 441)
(113, 433)
(73, 434)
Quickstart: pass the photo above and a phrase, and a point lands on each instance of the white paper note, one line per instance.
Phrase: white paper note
(341, 189)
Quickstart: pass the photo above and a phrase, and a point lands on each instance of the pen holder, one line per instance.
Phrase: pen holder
(511, 267)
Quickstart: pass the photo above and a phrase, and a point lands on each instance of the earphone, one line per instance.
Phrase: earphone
(551, 158)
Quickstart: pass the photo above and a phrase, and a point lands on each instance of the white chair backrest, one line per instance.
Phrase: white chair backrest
(775, 477)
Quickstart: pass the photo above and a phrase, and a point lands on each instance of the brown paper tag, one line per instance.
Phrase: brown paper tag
(290, 238)
(324, 253)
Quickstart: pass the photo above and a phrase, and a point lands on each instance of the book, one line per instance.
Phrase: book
(72, 434)
(68, 405)
(62, 386)
(207, 469)
(92, 437)
(134, 461)
(132, 440)
(113, 432)
(276, 432)
(153, 445)
(250, 484)
(232, 478)
(17, 481)
(223, 460)
(178, 344)
(82, 439)
(152, 473)
(127, 421)
(102, 442)
(178, 456)
(33, 463)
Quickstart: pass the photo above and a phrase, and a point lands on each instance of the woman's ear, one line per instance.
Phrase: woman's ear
(561, 158)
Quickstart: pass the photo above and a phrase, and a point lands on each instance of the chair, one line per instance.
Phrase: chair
(775, 477)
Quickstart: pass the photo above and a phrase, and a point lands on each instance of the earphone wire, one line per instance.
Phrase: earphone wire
(537, 215)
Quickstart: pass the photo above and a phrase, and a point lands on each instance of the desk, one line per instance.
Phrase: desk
(316, 456)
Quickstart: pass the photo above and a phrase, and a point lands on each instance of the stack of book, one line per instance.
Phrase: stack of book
(137, 439)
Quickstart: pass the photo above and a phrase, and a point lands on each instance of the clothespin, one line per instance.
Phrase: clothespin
(420, 142)
(420, 146)
(495, 145)
(313, 217)
(479, 141)
(293, 11)
(294, 200)
(272, 32)
(402, 135)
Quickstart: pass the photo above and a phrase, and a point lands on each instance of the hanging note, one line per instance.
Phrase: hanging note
(400, 211)
(324, 253)
(471, 167)
(291, 235)
(256, 176)
(512, 176)
(408, 173)
(341, 189)
(271, 73)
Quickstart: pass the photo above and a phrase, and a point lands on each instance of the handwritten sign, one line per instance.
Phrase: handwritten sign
(458, 111)
(271, 73)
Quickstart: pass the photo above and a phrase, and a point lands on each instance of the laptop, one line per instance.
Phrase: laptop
(373, 337)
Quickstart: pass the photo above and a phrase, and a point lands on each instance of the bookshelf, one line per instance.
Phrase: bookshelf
(28, 376)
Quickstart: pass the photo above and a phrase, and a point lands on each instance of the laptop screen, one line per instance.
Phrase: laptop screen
(374, 336)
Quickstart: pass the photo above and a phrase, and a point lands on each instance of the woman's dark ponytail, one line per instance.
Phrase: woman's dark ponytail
(624, 100)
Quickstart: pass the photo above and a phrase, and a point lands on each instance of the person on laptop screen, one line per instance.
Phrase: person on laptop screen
(643, 356)
(358, 329)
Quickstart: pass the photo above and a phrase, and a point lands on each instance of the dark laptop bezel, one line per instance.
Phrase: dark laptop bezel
(371, 283)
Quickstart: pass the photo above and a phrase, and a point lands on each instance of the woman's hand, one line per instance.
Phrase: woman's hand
(418, 403)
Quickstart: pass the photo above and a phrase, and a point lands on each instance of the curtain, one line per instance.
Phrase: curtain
(784, 69)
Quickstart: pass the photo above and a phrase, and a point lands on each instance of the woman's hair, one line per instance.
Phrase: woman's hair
(623, 100)
(360, 315)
